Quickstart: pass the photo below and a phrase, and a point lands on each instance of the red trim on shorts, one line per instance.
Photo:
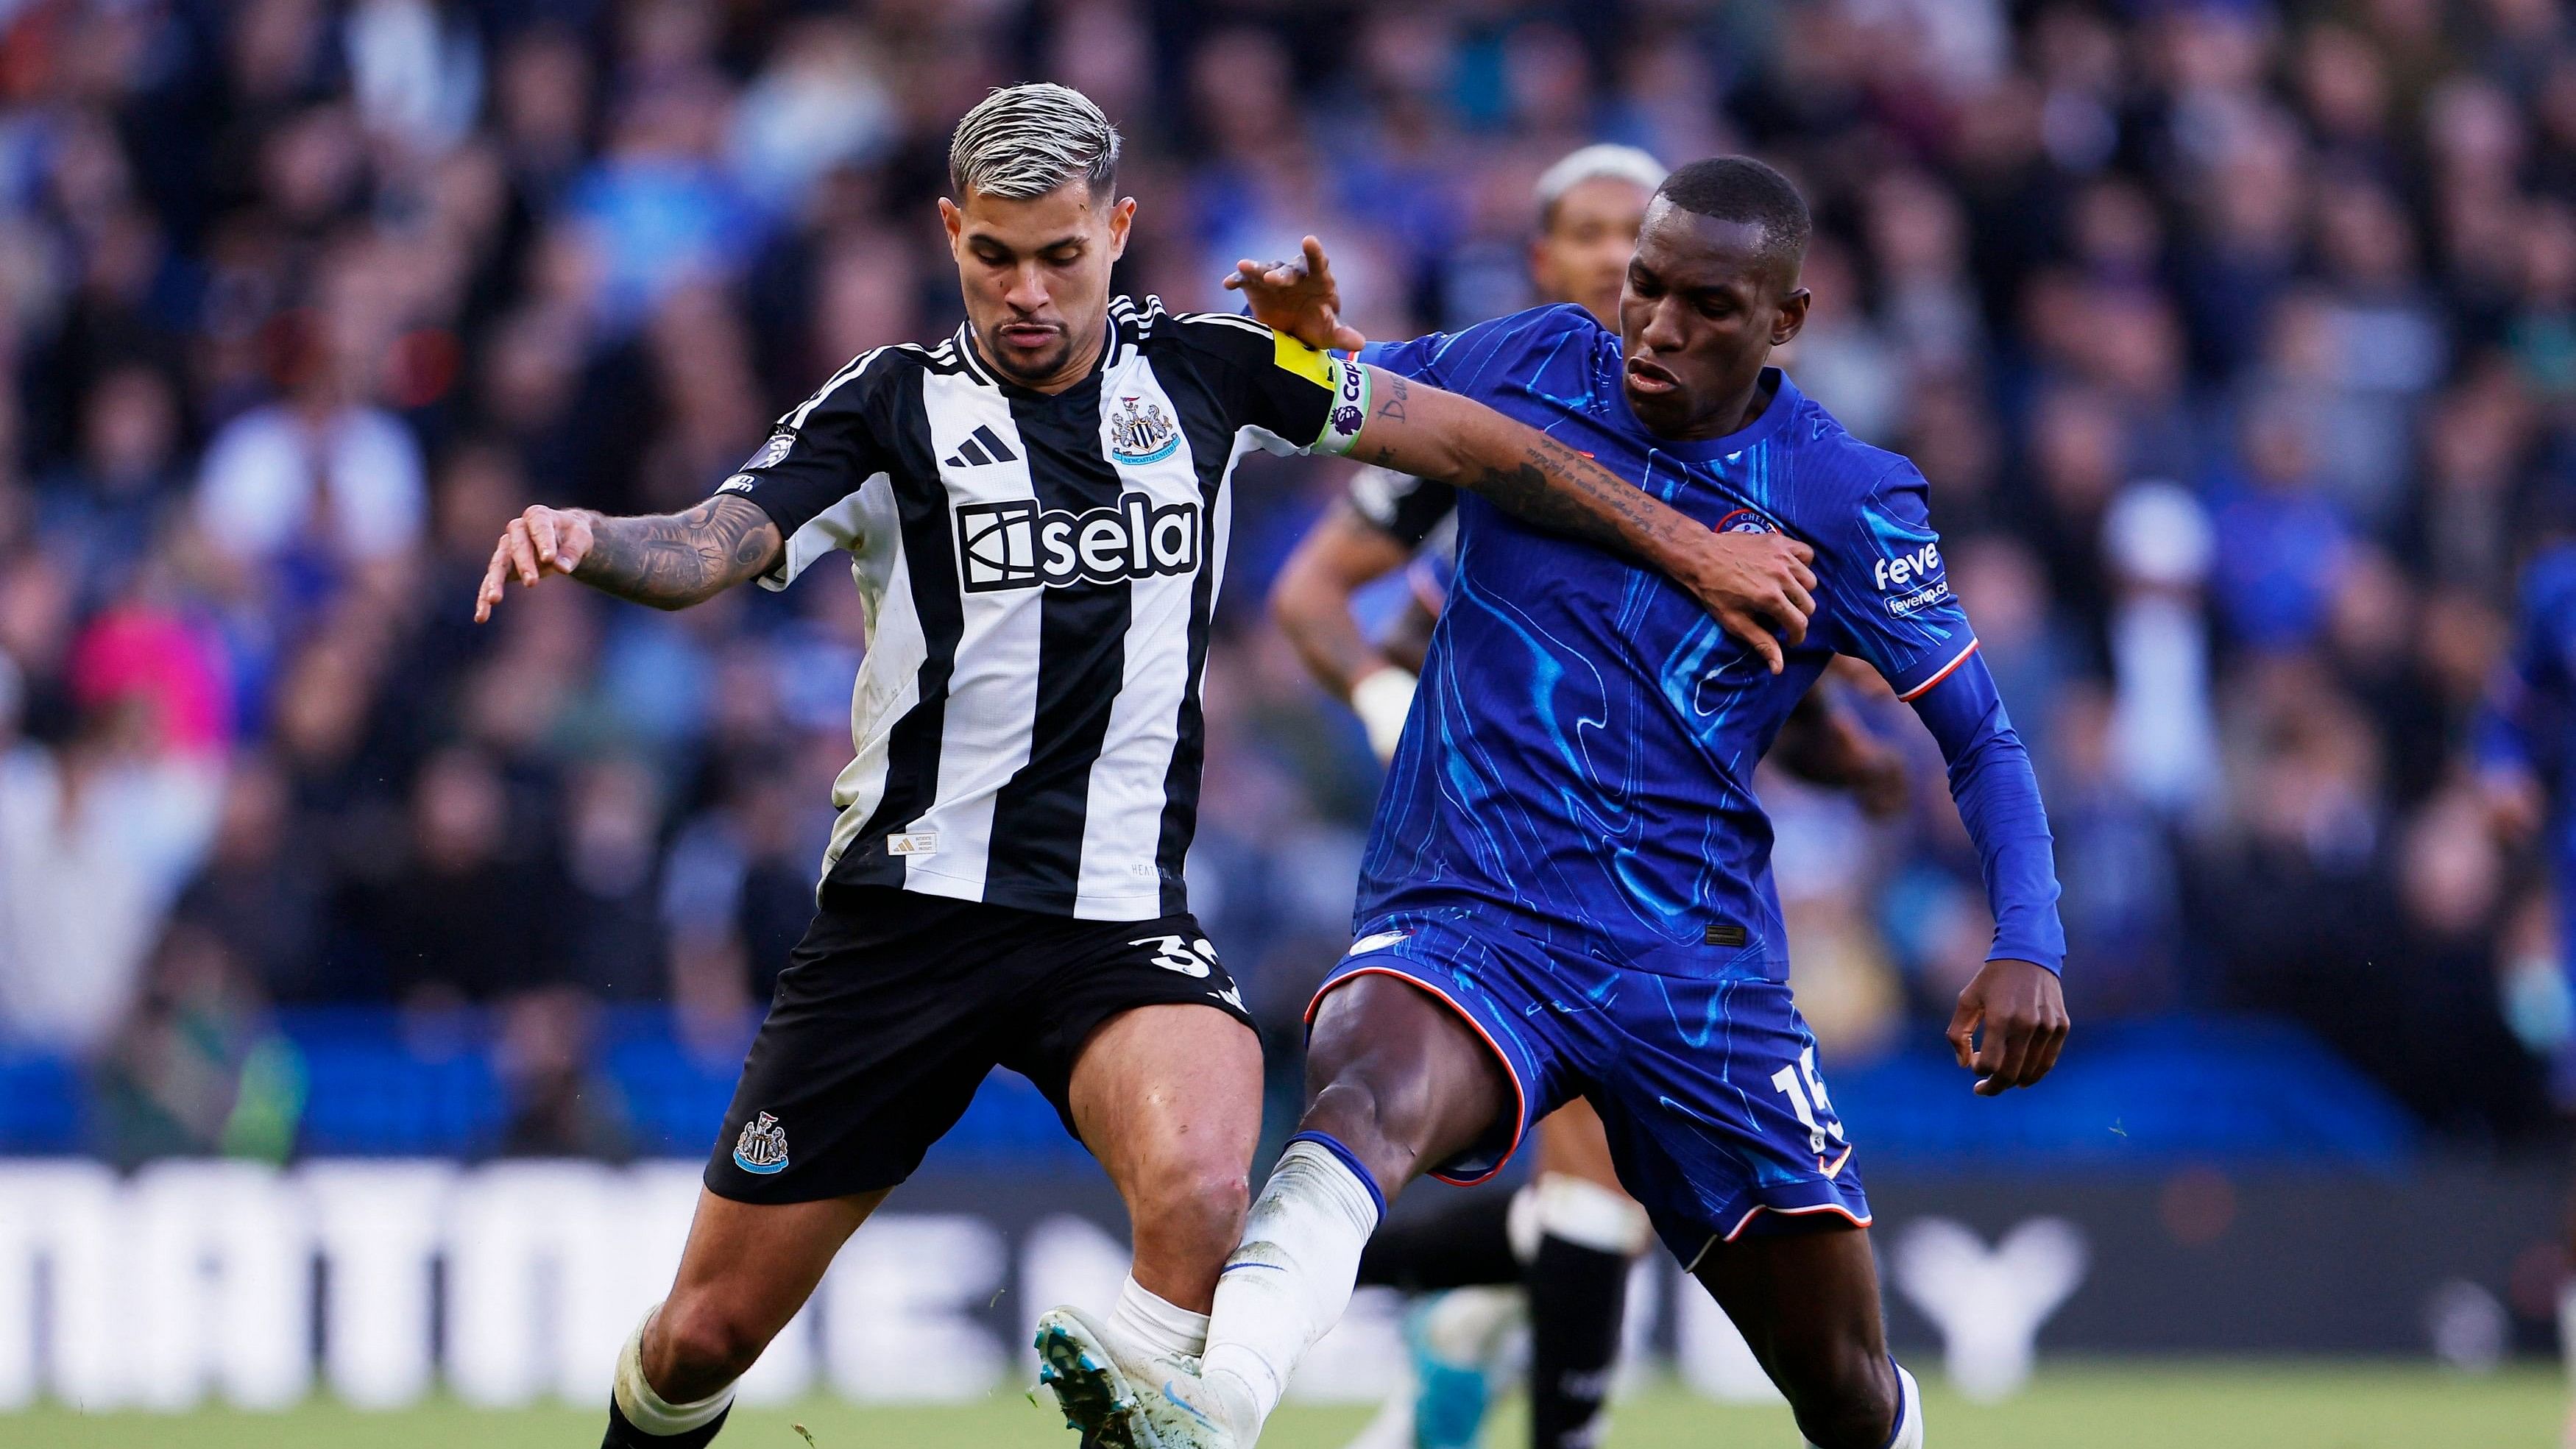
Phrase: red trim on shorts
(1731, 1234)
(1520, 1096)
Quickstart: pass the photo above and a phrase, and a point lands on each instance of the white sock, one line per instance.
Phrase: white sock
(1156, 1327)
(1521, 1227)
(1291, 1278)
(1588, 1215)
(1908, 1433)
(1467, 1326)
(1909, 1412)
(649, 1411)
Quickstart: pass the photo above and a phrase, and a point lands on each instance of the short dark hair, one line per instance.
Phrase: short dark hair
(1741, 189)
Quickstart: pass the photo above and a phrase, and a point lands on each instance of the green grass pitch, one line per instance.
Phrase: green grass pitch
(2094, 1406)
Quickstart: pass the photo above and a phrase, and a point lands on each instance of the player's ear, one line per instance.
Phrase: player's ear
(954, 219)
(1121, 218)
(1791, 317)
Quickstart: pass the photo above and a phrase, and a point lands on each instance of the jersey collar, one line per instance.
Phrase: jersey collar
(983, 373)
(1784, 401)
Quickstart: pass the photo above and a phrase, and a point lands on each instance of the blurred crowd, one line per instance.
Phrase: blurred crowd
(2238, 341)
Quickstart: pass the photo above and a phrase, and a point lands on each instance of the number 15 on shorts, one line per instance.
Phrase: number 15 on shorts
(1806, 1093)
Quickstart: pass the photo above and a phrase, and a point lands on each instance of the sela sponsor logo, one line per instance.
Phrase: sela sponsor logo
(1140, 433)
(1016, 545)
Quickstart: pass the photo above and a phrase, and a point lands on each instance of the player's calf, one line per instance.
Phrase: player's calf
(1805, 1292)
(1845, 1398)
(642, 1417)
(693, 1346)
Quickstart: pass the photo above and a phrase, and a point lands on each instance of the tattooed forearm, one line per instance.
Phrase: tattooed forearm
(671, 561)
(1562, 491)
(1393, 408)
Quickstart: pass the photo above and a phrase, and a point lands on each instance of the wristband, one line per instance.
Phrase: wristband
(1382, 700)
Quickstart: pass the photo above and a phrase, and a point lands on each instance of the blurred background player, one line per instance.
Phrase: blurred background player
(1567, 1237)
(2523, 756)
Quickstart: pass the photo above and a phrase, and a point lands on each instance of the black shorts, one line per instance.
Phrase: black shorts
(894, 1008)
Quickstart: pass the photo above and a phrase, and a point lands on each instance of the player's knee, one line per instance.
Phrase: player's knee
(1194, 1200)
(1364, 1114)
(701, 1348)
(1844, 1396)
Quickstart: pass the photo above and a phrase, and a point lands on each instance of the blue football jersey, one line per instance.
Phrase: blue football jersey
(1581, 751)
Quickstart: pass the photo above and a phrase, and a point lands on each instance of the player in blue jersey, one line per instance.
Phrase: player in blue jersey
(2526, 746)
(1568, 886)
(1569, 1234)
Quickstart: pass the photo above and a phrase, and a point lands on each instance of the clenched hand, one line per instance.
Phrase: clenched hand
(2023, 1011)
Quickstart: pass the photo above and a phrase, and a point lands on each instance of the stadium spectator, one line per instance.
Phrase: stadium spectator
(296, 301)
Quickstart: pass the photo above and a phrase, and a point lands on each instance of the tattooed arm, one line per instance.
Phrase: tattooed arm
(667, 560)
(1742, 579)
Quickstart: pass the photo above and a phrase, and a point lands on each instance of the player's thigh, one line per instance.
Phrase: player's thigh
(1168, 1091)
(1389, 1066)
(1806, 1298)
(749, 1266)
(1571, 1141)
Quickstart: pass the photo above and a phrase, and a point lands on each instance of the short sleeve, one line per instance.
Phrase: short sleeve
(1891, 589)
(1296, 399)
(1399, 505)
(819, 454)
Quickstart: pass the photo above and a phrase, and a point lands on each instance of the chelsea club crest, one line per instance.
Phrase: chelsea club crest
(1139, 433)
(762, 1147)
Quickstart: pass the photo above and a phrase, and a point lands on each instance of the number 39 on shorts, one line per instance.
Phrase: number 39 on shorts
(1174, 953)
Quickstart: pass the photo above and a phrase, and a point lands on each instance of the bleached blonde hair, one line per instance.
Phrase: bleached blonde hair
(1619, 163)
(1025, 141)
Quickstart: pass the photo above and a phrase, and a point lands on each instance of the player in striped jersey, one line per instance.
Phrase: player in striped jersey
(1569, 1235)
(1035, 512)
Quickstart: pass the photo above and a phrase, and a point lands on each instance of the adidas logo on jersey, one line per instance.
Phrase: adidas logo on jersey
(1016, 545)
(982, 448)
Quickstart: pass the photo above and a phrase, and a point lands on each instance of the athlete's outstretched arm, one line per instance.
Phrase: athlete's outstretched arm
(667, 560)
(1741, 578)
(1312, 599)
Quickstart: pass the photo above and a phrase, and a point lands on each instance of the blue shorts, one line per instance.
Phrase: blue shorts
(1718, 1120)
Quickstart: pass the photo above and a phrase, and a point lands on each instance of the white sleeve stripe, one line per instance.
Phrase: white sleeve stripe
(1918, 691)
(796, 419)
(1230, 320)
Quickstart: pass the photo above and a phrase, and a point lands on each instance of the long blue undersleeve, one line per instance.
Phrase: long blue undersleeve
(1998, 798)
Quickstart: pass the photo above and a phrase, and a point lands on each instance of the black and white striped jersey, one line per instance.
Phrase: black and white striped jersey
(1407, 509)
(1038, 571)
